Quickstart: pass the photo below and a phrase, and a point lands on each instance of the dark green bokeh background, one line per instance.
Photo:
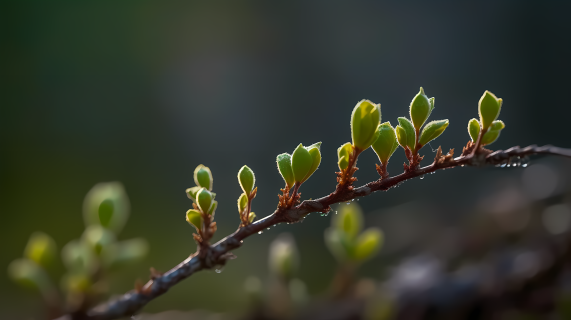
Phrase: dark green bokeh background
(142, 92)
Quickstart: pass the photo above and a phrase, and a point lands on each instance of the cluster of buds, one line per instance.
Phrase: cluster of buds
(247, 181)
(202, 216)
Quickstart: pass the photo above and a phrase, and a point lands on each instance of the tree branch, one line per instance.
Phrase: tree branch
(219, 253)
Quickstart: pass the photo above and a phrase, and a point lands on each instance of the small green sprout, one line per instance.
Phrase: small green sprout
(246, 179)
(386, 142)
(365, 119)
(203, 177)
(489, 108)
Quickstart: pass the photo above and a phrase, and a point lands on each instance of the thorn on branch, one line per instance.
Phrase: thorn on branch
(139, 286)
(439, 159)
(155, 274)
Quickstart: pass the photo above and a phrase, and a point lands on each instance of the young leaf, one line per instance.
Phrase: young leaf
(204, 200)
(410, 133)
(401, 136)
(106, 204)
(77, 256)
(242, 202)
(420, 109)
(364, 121)
(251, 217)
(349, 220)
(334, 244)
(432, 130)
(489, 108)
(191, 193)
(41, 249)
(246, 179)
(474, 129)
(213, 207)
(386, 142)
(368, 244)
(343, 153)
(98, 238)
(203, 177)
(194, 217)
(284, 167)
(28, 274)
(124, 252)
(493, 133)
(301, 163)
(315, 152)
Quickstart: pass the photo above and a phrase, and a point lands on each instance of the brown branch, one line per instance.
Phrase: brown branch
(219, 253)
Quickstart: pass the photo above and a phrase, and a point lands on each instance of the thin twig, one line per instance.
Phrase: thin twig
(219, 253)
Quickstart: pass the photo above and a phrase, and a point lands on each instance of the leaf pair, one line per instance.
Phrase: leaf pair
(345, 239)
(299, 166)
(420, 109)
(489, 108)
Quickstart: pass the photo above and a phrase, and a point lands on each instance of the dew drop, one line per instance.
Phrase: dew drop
(335, 212)
(260, 232)
(348, 203)
(218, 270)
(421, 177)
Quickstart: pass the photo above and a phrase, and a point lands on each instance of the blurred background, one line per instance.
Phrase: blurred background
(142, 92)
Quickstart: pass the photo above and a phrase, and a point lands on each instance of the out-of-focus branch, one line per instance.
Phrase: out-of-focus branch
(219, 253)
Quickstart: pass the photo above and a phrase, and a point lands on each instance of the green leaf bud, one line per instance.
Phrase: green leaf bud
(386, 142)
(41, 249)
(203, 177)
(246, 179)
(204, 200)
(420, 109)
(349, 220)
(284, 167)
(432, 130)
(474, 129)
(489, 108)
(125, 252)
(401, 136)
(251, 217)
(283, 260)
(493, 133)
(334, 244)
(78, 256)
(98, 237)
(301, 163)
(368, 244)
(106, 204)
(343, 153)
(242, 202)
(213, 207)
(194, 217)
(315, 153)
(28, 274)
(191, 193)
(410, 133)
(365, 118)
